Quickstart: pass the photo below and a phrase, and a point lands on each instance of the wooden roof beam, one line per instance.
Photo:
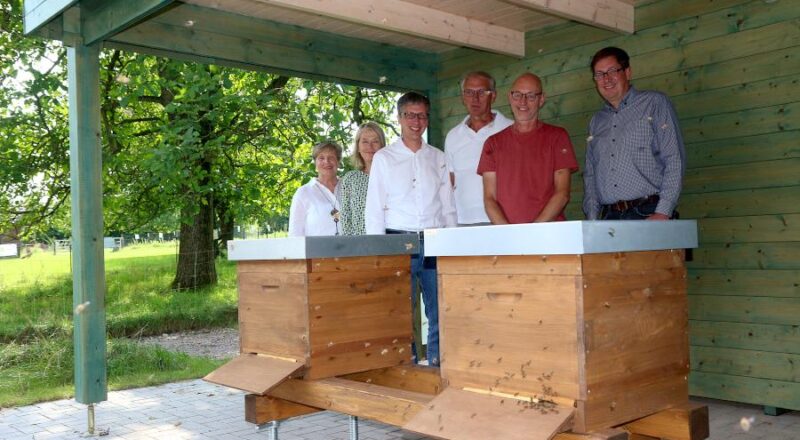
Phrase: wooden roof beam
(408, 18)
(615, 15)
(114, 16)
(40, 12)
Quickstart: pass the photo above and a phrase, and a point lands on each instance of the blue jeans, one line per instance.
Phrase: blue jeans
(423, 273)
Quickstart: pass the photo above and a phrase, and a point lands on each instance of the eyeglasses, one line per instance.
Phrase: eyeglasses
(599, 76)
(530, 96)
(412, 116)
(480, 93)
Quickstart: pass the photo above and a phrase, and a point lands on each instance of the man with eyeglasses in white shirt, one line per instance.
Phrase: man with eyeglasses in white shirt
(635, 156)
(464, 142)
(526, 167)
(409, 191)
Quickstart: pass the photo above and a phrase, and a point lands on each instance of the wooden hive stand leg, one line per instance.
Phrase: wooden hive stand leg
(684, 422)
(263, 409)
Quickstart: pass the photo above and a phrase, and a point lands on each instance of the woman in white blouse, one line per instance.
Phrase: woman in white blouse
(315, 209)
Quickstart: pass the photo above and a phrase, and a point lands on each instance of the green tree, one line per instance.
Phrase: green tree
(185, 145)
(34, 161)
(216, 144)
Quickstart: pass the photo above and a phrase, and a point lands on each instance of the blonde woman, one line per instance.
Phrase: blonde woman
(315, 208)
(353, 187)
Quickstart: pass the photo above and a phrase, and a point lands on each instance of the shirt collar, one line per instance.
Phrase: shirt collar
(399, 145)
(628, 98)
(497, 117)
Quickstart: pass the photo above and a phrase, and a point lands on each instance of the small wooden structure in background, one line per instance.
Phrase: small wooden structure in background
(572, 330)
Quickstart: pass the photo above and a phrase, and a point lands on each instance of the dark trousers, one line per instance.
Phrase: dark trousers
(640, 212)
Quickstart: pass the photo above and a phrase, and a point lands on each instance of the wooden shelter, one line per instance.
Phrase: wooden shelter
(731, 67)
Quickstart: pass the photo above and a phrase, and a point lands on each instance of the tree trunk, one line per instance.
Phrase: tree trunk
(225, 225)
(196, 254)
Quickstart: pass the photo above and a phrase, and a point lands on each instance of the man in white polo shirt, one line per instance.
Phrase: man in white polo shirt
(464, 144)
(409, 191)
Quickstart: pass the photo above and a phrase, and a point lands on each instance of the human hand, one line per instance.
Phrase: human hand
(657, 216)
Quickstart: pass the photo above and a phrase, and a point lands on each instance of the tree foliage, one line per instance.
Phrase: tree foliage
(34, 176)
(182, 142)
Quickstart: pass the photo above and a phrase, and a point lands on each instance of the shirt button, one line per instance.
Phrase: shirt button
(613, 140)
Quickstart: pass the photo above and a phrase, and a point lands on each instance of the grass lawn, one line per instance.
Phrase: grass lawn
(36, 321)
(36, 295)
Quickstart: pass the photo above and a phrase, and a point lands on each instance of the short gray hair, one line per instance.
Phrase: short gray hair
(479, 74)
(325, 145)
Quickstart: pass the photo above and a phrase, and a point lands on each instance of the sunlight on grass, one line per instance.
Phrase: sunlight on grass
(36, 294)
(36, 348)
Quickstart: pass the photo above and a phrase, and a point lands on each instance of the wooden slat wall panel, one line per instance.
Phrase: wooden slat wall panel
(756, 337)
(777, 366)
(750, 229)
(756, 310)
(784, 255)
(745, 389)
(779, 200)
(738, 111)
(758, 282)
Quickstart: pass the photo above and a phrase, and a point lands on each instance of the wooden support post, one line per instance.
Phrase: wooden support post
(88, 277)
(263, 409)
(387, 405)
(686, 422)
(606, 434)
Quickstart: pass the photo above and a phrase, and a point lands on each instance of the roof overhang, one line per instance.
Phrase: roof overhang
(497, 26)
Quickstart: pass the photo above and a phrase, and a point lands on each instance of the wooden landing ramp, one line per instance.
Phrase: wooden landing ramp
(412, 397)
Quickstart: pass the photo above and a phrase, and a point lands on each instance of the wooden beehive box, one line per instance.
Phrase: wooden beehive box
(590, 315)
(319, 307)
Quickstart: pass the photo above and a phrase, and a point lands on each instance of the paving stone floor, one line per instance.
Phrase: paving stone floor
(199, 410)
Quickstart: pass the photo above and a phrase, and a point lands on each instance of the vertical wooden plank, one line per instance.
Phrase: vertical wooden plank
(88, 280)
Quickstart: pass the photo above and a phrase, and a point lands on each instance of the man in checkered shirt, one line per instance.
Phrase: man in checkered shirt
(635, 156)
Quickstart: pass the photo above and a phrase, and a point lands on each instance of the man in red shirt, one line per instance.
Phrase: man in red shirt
(526, 167)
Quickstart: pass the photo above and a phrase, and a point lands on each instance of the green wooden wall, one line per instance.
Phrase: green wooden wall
(732, 69)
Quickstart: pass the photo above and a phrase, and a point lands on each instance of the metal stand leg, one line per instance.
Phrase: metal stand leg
(90, 415)
(353, 428)
(272, 427)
